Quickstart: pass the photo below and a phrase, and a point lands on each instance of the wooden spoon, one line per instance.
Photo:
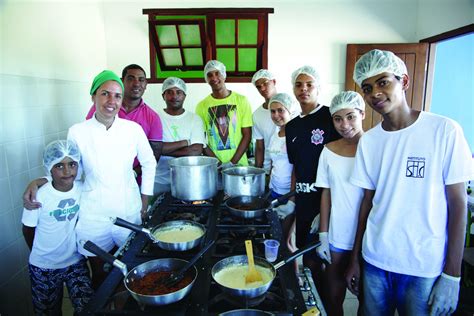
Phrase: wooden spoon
(252, 275)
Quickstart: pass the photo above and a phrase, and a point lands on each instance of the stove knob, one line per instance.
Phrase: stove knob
(311, 300)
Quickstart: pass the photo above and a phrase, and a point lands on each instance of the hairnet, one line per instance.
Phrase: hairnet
(57, 150)
(307, 70)
(286, 100)
(376, 62)
(262, 74)
(104, 76)
(347, 100)
(214, 65)
(173, 82)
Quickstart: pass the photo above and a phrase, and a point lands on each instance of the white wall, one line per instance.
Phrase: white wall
(51, 50)
(303, 32)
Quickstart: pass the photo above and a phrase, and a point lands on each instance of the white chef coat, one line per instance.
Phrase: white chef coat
(110, 188)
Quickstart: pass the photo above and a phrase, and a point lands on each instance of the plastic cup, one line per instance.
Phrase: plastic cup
(271, 249)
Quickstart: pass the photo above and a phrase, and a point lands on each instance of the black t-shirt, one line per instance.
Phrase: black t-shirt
(305, 139)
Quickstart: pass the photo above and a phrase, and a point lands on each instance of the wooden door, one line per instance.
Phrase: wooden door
(415, 57)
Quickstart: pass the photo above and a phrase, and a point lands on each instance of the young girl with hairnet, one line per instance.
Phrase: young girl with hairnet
(282, 110)
(340, 200)
(50, 234)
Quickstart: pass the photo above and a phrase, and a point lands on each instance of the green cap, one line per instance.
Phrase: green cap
(104, 76)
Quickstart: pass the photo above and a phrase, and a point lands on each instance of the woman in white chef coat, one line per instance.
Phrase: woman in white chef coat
(108, 146)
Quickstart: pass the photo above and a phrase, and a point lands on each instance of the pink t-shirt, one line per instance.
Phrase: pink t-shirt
(143, 115)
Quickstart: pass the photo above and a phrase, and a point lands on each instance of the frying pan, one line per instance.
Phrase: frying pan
(242, 260)
(171, 225)
(253, 206)
(168, 264)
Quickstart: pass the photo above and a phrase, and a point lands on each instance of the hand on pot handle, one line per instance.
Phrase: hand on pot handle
(285, 209)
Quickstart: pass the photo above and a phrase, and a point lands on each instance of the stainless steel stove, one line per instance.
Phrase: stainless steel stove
(289, 294)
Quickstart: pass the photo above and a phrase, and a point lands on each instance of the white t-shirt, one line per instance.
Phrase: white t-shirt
(334, 172)
(110, 188)
(408, 169)
(54, 245)
(179, 127)
(280, 178)
(263, 128)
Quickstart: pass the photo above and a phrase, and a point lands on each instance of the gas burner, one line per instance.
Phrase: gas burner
(177, 202)
(182, 216)
(249, 233)
(227, 219)
(238, 301)
(272, 300)
(284, 297)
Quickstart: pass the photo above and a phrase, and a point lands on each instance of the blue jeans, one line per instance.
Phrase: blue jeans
(386, 291)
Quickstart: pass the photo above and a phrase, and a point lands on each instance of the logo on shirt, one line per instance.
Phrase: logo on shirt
(223, 123)
(317, 137)
(67, 210)
(415, 167)
(306, 187)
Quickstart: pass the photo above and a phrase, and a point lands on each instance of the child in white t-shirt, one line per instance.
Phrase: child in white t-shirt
(49, 233)
(340, 200)
(282, 110)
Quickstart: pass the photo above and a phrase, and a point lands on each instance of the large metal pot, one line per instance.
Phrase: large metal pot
(193, 178)
(248, 181)
(242, 260)
(168, 265)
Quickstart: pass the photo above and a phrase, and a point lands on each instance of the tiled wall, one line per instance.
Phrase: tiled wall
(33, 112)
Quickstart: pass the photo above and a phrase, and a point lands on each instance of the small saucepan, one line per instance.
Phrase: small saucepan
(180, 235)
(253, 206)
(148, 278)
(229, 273)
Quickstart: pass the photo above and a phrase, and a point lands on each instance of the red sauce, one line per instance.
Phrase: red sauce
(152, 283)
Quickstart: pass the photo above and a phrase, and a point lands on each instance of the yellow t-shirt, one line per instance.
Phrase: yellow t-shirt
(223, 121)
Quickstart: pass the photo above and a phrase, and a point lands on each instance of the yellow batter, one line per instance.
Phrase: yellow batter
(179, 234)
(234, 277)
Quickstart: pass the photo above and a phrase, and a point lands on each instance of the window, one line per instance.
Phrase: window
(183, 40)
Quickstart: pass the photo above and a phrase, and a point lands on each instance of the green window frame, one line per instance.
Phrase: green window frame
(183, 40)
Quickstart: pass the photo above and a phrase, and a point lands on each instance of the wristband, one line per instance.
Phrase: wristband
(450, 277)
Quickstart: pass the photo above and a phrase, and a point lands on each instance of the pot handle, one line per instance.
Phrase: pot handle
(90, 246)
(245, 179)
(282, 198)
(298, 253)
(123, 223)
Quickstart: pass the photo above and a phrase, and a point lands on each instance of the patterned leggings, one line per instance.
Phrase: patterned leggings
(47, 288)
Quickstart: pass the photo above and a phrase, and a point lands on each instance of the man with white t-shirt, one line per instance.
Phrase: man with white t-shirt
(412, 219)
(183, 131)
(263, 127)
